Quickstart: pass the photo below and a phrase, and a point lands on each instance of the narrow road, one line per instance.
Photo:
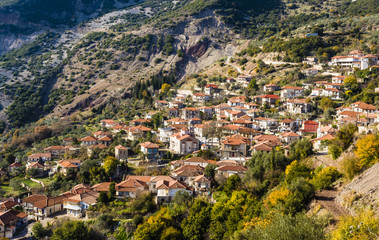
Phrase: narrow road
(228, 63)
(326, 199)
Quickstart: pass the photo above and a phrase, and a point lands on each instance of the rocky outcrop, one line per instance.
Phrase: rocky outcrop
(199, 49)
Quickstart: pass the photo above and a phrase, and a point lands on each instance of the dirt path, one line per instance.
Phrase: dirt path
(322, 158)
(228, 63)
(326, 199)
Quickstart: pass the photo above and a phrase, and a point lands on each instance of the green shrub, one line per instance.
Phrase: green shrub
(326, 177)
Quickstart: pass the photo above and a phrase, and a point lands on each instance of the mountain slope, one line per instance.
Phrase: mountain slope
(76, 66)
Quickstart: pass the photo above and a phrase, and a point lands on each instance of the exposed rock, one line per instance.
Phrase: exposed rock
(199, 49)
(363, 190)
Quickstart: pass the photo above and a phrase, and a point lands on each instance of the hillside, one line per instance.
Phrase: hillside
(362, 191)
(189, 119)
(197, 31)
(62, 71)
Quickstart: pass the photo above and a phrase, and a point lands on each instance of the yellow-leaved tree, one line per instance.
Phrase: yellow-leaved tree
(165, 88)
(368, 150)
(276, 197)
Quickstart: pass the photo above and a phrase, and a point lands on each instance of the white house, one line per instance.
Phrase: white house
(291, 92)
(168, 189)
(165, 133)
(201, 98)
(333, 93)
(298, 106)
(271, 87)
(183, 143)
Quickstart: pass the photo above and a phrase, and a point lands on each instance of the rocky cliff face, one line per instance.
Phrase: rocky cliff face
(22, 21)
(363, 190)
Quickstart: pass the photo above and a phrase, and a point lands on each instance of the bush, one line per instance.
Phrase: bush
(300, 149)
(299, 227)
(39, 231)
(363, 226)
(301, 193)
(171, 233)
(15, 183)
(137, 220)
(326, 177)
(349, 166)
(296, 170)
(334, 151)
(73, 230)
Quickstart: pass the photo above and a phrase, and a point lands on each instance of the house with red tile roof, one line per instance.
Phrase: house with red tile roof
(271, 87)
(135, 133)
(36, 157)
(121, 152)
(198, 161)
(231, 129)
(41, 206)
(265, 146)
(233, 114)
(168, 189)
(10, 222)
(332, 93)
(237, 101)
(295, 106)
(105, 141)
(173, 112)
(160, 104)
(14, 166)
(269, 99)
(363, 107)
(107, 123)
(40, 169)
(189, 113)
(338, 79)
(317, 142)
(88, 141)
(287, 124)
(93, 147)
(55, 150)
(324, 130)
(8, 204)
(200, 98)
(78, 204)
(309, 126)
(235, 146)
(187, 172)
(176, 104)
(151, 150)
(201, 184)
(212, 90)
(290, 92)
(183, 142)
(101, 187)
(100, 134)
(289, 137)
(229, 170)
(130, 188)
(67, 164)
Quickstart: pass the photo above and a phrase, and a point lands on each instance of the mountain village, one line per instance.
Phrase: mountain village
(191, 128)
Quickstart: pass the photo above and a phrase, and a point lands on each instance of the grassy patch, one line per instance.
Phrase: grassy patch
(31, 184)
(46, 181)
(7, 191)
